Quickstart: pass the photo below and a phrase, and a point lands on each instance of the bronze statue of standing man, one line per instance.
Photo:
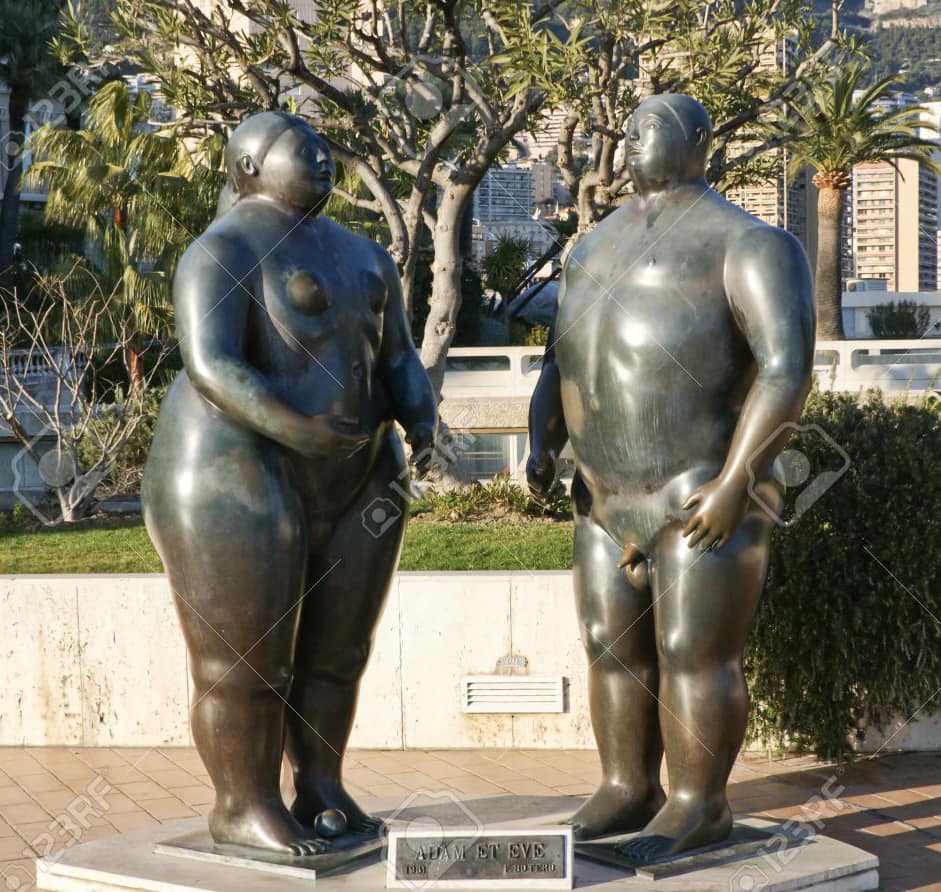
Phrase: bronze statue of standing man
(273, 447)
(682, 350)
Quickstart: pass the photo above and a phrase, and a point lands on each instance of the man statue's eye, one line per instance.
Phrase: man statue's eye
(653, 125)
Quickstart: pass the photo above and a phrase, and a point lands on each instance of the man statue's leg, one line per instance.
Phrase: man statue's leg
(617, 630)
(704, 603)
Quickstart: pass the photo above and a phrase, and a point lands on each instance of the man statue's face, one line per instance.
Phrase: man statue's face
(655, 146)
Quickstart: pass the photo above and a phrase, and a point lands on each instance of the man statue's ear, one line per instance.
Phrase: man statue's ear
(701, 136)
(247, 166)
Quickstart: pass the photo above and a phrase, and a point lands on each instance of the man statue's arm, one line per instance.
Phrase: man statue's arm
(413, 397)
(547, 431)
(770, 290)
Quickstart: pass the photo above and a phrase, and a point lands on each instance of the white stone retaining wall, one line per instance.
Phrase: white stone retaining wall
(100, 661)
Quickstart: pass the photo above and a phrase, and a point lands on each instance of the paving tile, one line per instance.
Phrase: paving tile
(23, 813)
(172, 777)
(147, 760)
(197, 794)
(134, 820)
(528, 787)
(143, 790)
(12, 848)
(473, 785)
(891, 807)
(13, 795)
(117, 803)
(413, 780)
(390, 790)
(18, 875)
(101, 758)
(551, 777)
(167, 809)
(122, 774)
(582, 789)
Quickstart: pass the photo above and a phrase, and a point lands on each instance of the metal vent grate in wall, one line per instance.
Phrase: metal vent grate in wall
(512, 693)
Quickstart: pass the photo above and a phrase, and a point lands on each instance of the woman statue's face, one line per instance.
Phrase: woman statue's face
(298, 169)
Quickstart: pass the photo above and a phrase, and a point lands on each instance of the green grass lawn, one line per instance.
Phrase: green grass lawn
(125, 548)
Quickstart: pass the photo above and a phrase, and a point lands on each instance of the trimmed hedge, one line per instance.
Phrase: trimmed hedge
(848, 630)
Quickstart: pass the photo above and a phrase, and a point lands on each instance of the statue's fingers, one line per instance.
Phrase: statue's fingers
(692, 523)
(692, 501)
(701, 532)
(711, 543)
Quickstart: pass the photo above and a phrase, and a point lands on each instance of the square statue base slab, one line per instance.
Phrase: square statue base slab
(129, 862)
(745, 840)
(199, 846)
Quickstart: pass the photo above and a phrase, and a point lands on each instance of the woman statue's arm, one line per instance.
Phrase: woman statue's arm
(213, 292)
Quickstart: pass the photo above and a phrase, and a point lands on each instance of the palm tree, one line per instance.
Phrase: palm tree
(27, 66)
(839, 124)
(140, 196)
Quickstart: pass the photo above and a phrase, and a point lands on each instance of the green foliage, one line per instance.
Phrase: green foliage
(127, 467)
(504, 266)
(138, 196)
(523, 335)
(28, 28)
(494, 500)
(601, 57)
(124, 547)
(843, 122)
(905, 319)
(847, 628)
(914, 53)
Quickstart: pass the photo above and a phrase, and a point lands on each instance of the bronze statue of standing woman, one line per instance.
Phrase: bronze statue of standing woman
(271, 445)
(682, 350)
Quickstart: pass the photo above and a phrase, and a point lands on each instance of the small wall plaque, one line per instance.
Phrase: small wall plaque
(495, 859)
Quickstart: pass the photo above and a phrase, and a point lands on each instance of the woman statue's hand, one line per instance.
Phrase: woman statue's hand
(540, 474)
(421, 438)
(329, 436)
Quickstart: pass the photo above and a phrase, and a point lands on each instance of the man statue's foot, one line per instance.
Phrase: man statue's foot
(615, 809)
(679, 827)
(268, 826)
(314, 798)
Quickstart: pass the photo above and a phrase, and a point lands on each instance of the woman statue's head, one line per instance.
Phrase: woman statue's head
(279, 156)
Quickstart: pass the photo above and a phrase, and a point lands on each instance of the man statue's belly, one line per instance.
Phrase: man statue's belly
(652, 381)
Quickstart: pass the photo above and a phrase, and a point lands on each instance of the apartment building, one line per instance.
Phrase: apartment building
(505, 193)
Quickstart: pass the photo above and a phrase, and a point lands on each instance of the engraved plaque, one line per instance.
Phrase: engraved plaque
(494, 859)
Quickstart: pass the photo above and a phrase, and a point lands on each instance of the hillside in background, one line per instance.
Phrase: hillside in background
(915, 52)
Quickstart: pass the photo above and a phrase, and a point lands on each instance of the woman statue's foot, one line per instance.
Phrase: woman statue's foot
(681, 825)
(314, 798)
(268, 826)
(614, 808)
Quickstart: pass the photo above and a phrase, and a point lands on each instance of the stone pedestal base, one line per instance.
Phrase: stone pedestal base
(131, 863)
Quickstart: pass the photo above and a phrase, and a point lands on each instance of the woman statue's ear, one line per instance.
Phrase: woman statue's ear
(701, 136)
(247, 166)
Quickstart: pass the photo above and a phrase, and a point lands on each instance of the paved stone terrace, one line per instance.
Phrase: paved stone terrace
(51, 798)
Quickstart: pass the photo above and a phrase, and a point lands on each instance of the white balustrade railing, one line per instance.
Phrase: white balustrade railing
(893, 366)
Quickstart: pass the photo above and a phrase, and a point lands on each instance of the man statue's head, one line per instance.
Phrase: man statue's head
(668, 142)
(280, 156)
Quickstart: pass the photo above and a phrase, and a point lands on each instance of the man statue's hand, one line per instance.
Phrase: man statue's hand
(540, 474)
(718, 508)
(421, 438)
